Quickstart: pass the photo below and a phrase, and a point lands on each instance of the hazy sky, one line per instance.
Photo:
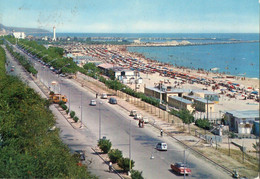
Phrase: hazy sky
(133, 16)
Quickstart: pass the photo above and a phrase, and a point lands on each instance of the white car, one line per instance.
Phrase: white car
(93, 102)
(161, 146)
(138, 116)
(146, 120)
(103, 96)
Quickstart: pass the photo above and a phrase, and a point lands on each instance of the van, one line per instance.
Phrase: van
(161, 146)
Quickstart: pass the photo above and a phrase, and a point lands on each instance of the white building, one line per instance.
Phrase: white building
(242, 121)
(19, 35)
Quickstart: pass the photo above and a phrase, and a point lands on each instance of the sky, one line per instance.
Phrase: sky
(133, 16)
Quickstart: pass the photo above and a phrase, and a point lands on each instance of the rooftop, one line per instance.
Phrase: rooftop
(245, 114)
(181, 99)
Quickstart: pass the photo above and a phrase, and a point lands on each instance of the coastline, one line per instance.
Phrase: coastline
(202, 73)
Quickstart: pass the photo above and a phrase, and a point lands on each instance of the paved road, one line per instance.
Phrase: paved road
(116, 125)
(75, 139)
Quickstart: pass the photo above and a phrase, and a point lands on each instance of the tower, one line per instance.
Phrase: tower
(54, 33)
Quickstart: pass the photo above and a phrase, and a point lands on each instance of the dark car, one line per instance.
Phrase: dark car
(81, 154)
(112, 101)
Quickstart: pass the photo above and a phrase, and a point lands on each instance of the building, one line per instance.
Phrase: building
(119, 72)
(19, 35)
(54, 33)
(171, 91)
(201, 104)
(241, 121)
(180, 103)
(155, 93)
(166, 91)
(207, 95)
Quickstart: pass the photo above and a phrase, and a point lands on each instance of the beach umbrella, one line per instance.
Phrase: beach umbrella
(254, 92)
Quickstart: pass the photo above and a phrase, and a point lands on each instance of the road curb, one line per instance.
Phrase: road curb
(107, 163)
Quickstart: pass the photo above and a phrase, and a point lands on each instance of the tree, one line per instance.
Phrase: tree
(135, 174)
(124, 163)
(114, 155)
(105, 145)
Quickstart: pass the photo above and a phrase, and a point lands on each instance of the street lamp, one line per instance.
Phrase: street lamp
(130, 134)
(81, 110)
(99, 120)
(54, 84)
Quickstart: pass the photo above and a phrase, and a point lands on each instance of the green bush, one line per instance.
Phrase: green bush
(124, 164)
(75, 118)
(114, 155)
(105, 145)
(61, 102)
(202, 123)
(72, 114)
(135, 174)
(67, 111)
(63, 106)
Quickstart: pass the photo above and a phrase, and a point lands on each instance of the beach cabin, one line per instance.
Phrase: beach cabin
(207, 95)
(180, 103)
(203, 105)
(242, 121)
(155, 92)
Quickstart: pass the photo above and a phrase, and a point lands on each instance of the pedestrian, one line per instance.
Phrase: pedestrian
(96, 95)
(110, 167)
(161, 132)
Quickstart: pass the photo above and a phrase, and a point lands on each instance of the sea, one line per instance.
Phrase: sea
(234, 59)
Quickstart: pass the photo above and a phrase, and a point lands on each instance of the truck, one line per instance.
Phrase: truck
(56, 98)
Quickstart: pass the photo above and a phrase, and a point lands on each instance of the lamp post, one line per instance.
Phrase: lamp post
(99, 136)
(81, 110)
(54, 84)
(130, 134)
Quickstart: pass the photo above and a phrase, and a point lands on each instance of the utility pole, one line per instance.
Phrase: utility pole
(207, 108)
(228, 146)
(81, 111)
(184, 164)
(130, 133)
(99, 121)
(69, 99)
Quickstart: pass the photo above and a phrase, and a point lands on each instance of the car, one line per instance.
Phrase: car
(138, 116)
(93, 102)
(161, 146)
(112, 101)
(181, 168)
(103, 96)
(133, 112)
(146, 120)
(81, 154)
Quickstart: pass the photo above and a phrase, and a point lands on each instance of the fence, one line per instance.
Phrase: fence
(160, 113)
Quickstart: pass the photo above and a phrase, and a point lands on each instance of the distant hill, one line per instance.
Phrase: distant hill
(23, 29)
